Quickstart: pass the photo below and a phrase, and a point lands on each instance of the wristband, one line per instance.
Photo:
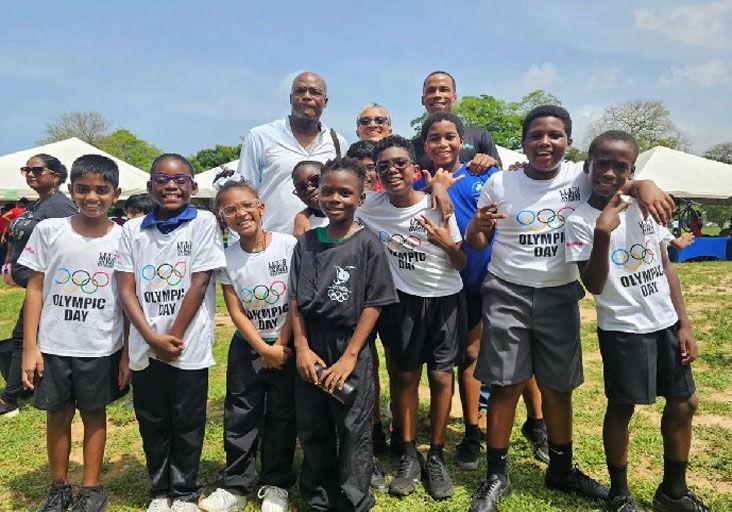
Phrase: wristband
(6, 268)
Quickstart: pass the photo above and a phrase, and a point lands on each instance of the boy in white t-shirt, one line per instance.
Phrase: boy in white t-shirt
(73, 343)
(646, 339)
(260, 373)
(165, 264)
(429, 322)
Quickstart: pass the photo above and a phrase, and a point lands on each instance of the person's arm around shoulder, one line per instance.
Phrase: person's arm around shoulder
(652, 200)
(32, 306)
(302, 224)
(687, 342)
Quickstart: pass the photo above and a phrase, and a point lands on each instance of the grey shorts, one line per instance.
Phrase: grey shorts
(530, 331)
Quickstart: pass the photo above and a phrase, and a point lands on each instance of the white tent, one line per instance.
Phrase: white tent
(13, 186)
(509, 156)
(684, 175)
(205, 179)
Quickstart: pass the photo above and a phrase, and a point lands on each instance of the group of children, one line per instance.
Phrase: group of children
(307, 309)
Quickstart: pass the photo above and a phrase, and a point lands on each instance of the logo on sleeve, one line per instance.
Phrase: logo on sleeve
(107, 259)
(337, 291)
(570, 195)
(184, 248)
(278, 267)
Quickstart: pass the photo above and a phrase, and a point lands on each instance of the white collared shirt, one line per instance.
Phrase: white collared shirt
(268, 154)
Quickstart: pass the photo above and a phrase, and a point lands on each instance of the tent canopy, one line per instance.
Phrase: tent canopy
(510, 157)
(684, 175)
(13, 186)
(205, 179)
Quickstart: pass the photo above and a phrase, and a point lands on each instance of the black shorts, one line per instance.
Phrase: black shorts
(640, 367)
(88, 383)
(424, 330)
(474, 308)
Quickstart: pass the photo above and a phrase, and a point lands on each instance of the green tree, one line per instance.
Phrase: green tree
(720, 153)
(127, 146)
(90, 127)
(209, 158)
(576, 155)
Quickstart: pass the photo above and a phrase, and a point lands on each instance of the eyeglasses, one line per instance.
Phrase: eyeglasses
(398, 163)
(302, 188)
(160, 178)
(369, 167)
(379, 120)
(301, 91)
(233, 209)
(35, 171)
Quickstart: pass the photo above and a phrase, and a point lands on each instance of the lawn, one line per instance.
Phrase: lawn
(24, 475)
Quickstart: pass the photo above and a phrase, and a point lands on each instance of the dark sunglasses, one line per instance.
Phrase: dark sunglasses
(302, 188)
(379, 120)
(398, 163)
(160, 178)
(35, 171)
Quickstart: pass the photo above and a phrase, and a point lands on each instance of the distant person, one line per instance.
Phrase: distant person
(269, 152)
(15, 211)
(373, 123)
(728, 230)
(362, 151)
(306, 180)
(4, 223)
(138, 205)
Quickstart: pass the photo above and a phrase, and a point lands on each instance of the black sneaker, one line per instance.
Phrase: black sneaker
(623, 503)
(58, 499)
(378, 477)
(689, 502)
(8, 409)
(378, 440)
(437, 478)
(576, 482)
(396, 443)
(488, 493)
(538, 439)
(468, 453)
(91, 499)
(410, 469)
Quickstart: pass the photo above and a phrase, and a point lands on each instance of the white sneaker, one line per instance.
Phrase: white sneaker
(223, 500)
(184, 506)
(274, 499)
(159, 505)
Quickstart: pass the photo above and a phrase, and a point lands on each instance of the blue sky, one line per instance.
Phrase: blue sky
(189, 75)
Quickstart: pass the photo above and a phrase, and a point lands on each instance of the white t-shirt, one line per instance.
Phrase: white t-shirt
(82, 315)
(268, 155)
(529, 243)
(316, 221)
(418, 267)
(162, 265)
(260, 280)
(636, 297)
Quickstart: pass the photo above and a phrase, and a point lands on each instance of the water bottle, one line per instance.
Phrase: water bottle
(345, 395)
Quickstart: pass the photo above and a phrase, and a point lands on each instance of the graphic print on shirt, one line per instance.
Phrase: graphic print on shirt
(337, 292)
(404, 247)
(545, 227)
(160, 282)
(639, 261)
(80, 286)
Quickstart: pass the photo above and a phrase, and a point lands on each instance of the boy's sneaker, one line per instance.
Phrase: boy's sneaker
(159, 504)
(538, 439)
(91, 499)
(439, 483)
(8, 409)
(184, 506)
(59, 499)
(623, 503)
(576, 482)
(378, 477)
(409, 472)
(223, 500)
(274, 499)
(689, 502)
(468, 452)
(488, 494)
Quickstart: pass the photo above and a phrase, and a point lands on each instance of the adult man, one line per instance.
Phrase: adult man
(269, 152)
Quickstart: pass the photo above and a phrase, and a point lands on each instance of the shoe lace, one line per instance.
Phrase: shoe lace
(273, 493)
(159, 504)
(697, 504)
(405, 463)
(82, 500)
(584, 480)
(220, 495)
(378, 469)
(55, 497)
(486, 488)
(436, 470)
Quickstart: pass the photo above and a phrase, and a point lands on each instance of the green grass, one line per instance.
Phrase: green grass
(24, 473)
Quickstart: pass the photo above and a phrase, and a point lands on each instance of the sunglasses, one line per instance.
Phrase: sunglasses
(398, 163)
(302, 188)
(379, 120)
(35, 171)
(160, 178)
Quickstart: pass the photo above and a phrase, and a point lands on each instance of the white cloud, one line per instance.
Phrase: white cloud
(708, 74)
(284, 86)
(540, 76)
(701, 24)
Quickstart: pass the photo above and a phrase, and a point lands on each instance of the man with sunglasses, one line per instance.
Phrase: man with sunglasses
(373, 123)
(269, 152)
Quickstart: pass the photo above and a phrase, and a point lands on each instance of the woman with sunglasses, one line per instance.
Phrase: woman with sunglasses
(44, 174)
(373, 123)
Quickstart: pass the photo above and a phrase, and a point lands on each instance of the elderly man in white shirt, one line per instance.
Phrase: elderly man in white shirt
(269, 152)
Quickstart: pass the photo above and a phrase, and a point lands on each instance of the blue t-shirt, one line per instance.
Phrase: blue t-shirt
(464, 195)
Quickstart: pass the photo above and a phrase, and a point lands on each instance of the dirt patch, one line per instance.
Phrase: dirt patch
(713, 420)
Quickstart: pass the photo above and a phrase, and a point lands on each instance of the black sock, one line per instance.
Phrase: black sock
(435, 449)
(497, 460)
(560, 459)
(674, 478)
(618, 480)
(535, 423)
(472, 431)
(410, 449)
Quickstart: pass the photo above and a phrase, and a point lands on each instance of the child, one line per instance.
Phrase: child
(530, 299)
(337, 287)
(260, 372)
(165, 263)
(426, 325)
(646, 339)
(305, 178)
(362, 151)
(73, 353)
(138, 205)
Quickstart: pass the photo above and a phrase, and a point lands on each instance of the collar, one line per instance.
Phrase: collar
(321, 126)
(166, 226)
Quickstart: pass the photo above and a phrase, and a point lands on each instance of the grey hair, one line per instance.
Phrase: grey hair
(374, 105)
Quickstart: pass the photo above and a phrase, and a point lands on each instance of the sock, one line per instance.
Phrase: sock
(618, 480)
(560, 459)
(674, 478)
(497, 460)
(535, 423)
(435, 449)
(472, 431)
(410, 448)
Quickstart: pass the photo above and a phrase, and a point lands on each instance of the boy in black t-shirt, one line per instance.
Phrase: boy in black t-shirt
(338, 285)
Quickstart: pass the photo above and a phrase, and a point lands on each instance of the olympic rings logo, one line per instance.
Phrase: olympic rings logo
(81, 280)
(410, 242)
(546, 218)
(633, 258)
(263, 293)
(163, 274)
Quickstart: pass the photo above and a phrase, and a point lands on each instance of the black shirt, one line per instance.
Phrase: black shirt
(476, 140)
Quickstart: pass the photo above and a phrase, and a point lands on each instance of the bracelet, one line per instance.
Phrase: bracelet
(6, 268)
